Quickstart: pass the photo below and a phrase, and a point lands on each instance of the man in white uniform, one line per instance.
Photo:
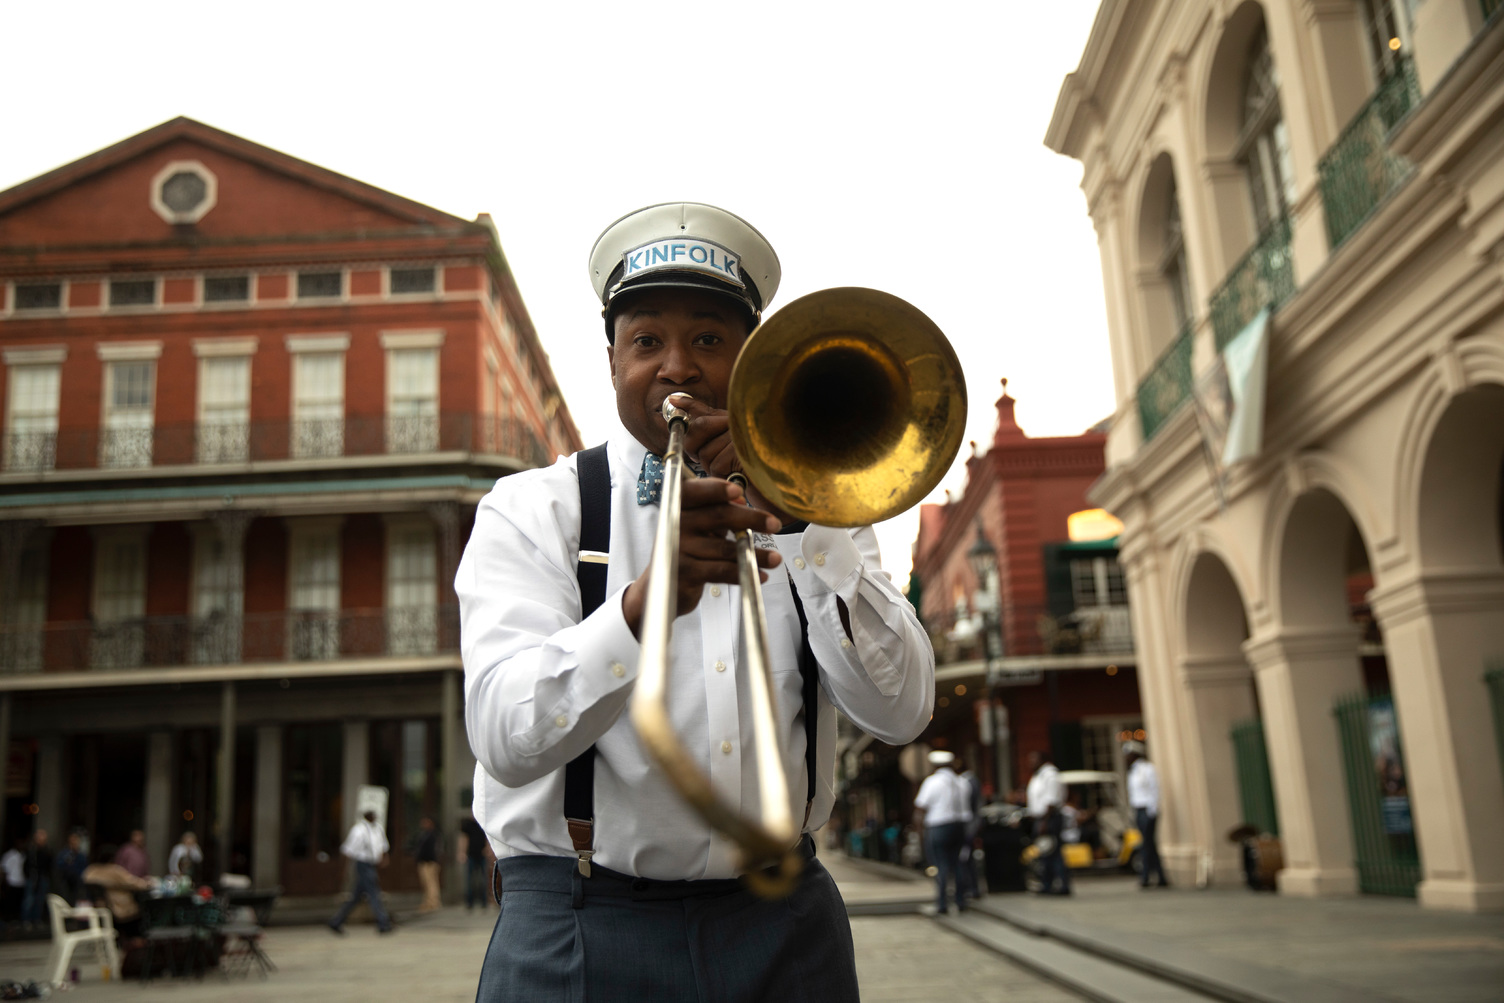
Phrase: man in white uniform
(612, 887)
(1046, 796)
(943, 807)
(1143, 798)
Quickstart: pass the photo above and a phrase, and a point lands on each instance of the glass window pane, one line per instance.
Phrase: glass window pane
(318, 284)
(39, 296)
(412, 280)
(223, 288)
(133, 292)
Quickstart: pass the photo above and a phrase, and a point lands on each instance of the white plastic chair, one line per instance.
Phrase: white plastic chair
(100, 933)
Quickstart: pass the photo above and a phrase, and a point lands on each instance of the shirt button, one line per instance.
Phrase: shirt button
(820, 559)
(720, 666)
(715, 590)
(562, 721)
(845, 642)
(799, 563)
(726, 747)
(618, 670)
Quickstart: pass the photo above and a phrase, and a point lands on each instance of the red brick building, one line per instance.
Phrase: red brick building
(1062, 662)
(249, 406)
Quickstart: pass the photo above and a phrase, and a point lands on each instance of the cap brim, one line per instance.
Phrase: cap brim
(684, 280)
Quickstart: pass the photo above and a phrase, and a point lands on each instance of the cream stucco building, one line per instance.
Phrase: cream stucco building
(1340, 162)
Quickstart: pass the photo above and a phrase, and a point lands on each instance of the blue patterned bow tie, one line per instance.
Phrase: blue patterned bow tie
(650, 480)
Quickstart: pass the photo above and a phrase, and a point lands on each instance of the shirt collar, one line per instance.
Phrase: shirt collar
(627, 450)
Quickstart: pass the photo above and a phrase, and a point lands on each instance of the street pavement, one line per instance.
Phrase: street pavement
(900, 959)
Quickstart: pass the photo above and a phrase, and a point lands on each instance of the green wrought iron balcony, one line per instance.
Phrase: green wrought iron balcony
(1168, 384)
(1360, 170)
(1264, 277)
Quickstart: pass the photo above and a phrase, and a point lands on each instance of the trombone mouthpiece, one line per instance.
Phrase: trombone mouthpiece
(670, 411)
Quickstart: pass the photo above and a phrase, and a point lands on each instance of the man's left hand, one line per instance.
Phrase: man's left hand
(707, 441)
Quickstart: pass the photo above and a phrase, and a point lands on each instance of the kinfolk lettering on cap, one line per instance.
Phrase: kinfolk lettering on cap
(681, 254)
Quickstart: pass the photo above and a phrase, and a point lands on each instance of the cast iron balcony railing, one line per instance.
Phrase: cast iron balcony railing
(1167, 386)
(30, 451)
(1265, 277)
(1032, 629)
(289, 636)
(1360, 170)
(219, 442)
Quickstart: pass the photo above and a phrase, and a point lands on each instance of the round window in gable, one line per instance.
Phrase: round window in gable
(184, 191)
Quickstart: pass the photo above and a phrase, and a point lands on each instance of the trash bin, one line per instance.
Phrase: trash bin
(1003, 843)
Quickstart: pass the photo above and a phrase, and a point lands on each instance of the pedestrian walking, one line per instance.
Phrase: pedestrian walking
(1143, 798)
(1046, 797)
(367, 846)
(943, 805)
(477, 857)
(968, 871)
(13, 885)
(68, 869)
(428, 849)
(38, 878)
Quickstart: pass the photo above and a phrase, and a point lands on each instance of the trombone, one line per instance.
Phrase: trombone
(847, 407)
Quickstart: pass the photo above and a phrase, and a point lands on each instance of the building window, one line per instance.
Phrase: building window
(412, 280)
(313, 609)
(315, 285)
(318, 404)
(1388, 34)
(1264, 144)
(130, 389)
(119, 599)
(184, 191)
(39, 296)
(1098, 581)
(226, 288)
(224, 409)
(133, 292)
(412, 576)
(412, 400)
(31, 425)
(22, 651)
(218, 591)
(1172, 263)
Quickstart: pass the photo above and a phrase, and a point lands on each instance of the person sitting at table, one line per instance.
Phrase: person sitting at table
(120, 888)
(186, 858)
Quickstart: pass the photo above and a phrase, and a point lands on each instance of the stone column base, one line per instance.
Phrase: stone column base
(1460, 895)
(1317, 882)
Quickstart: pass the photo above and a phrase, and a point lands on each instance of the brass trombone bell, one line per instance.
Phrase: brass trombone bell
(847, 407)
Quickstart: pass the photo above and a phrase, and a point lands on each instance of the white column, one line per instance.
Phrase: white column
(266, 846)
(224, 808)
(1219, 691)
(1301, 674)
(357, 763)
(157, 820)
(1440, 631)
(49, 794)
(449, 814)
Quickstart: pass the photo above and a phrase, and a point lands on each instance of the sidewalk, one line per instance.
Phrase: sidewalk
(1234, 944)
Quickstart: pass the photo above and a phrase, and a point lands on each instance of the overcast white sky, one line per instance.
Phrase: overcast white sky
(898, 146)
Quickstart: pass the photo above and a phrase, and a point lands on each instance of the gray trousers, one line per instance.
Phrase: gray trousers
(367, 886)
(562, 937)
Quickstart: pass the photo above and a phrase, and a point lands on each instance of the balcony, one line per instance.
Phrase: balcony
(1264, 277)
(291, 636)
(1032, 630)
(1167, 386)
(222, 443)
(1360, 170)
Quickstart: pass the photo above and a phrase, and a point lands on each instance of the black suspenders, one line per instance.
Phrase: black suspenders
(595, 536)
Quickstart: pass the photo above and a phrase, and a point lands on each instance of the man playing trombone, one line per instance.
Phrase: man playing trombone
(611, 886)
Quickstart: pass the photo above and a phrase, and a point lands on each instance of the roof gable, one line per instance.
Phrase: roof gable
(105, 198)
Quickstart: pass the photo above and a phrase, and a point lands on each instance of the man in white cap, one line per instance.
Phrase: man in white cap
(943, 807)
(1143, 798)
(611, 886)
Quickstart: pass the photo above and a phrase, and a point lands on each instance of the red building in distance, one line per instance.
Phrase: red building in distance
(1047, 615)
(249, 407)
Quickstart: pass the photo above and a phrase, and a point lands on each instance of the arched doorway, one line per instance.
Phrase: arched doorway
(1219, 687)
(1444, 629)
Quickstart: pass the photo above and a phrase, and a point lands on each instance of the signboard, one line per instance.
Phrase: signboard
(1389, 765)
(372, 798)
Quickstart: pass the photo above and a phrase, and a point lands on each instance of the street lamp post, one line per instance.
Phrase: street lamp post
(988, 602)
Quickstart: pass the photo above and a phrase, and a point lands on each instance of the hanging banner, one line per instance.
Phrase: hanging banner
(1229, 400)
(1389, 764)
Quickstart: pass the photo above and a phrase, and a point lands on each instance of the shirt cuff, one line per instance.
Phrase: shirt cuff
(831, 555)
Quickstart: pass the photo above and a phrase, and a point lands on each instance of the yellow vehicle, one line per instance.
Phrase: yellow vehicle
(1099, 795)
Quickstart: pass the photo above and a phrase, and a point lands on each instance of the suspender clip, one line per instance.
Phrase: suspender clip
(585, 856)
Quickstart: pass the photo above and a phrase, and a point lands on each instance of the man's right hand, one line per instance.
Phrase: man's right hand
(711, 508)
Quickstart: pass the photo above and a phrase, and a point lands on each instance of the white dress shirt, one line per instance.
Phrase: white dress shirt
(366, 842)
(1143, 787)
(945, 798)
(541, 685)
(1045, 790)
(181, 851)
